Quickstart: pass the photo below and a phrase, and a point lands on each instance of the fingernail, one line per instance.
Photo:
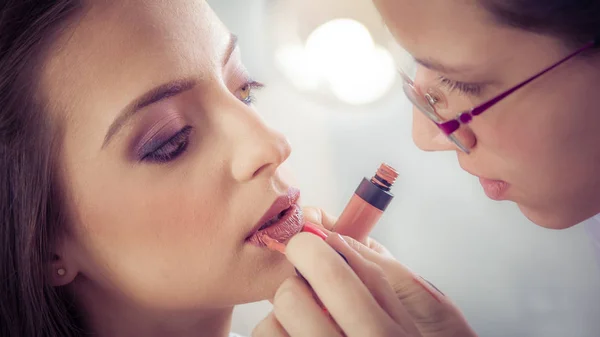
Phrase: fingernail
(313, 292)
(431, 284)
(273, 244)
(343, 257)
(310, 227)
(300, 275)
(343, 240)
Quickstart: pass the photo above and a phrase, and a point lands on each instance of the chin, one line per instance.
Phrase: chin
(266, 281)
(551, 219)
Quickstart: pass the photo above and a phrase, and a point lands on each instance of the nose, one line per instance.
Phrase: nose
(428, 137)
(257, 148)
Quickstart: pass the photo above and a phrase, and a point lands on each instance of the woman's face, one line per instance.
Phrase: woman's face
(542, 140)
(166, 166)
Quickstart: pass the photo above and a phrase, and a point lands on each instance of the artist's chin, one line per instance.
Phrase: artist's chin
(550, 218)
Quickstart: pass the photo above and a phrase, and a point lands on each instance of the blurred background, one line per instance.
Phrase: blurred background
(332, 88)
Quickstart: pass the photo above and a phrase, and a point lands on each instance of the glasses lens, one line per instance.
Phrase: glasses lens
(427, 109)
(458, 143)
(421, 103)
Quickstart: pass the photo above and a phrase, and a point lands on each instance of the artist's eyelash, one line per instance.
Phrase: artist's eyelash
(472, 89)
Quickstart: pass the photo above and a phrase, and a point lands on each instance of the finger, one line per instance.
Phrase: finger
(269, 327)
(378, 247)
(297, 311)
(319, 217)
(376, 281)
(394, 269)
(348, 300)
(423, 301)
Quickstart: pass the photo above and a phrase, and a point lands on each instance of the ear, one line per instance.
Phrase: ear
(62, 268)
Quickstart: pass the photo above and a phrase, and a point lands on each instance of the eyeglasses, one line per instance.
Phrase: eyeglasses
(426, 103)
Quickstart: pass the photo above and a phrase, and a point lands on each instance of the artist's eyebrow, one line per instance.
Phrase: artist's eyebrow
(158, 94)
(439, 67)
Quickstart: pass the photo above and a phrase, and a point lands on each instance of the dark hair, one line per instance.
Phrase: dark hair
(29, 203)
(30, 213)
(574, 21)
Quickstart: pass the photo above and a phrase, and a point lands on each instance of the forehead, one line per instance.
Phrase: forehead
(455, 32)
(116, 50)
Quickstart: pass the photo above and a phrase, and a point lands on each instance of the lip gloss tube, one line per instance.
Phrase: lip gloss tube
(367, 205)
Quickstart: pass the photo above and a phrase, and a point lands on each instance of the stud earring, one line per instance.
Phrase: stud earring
(61, 272)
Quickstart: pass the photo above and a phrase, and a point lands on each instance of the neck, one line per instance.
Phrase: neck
(114, 316)
(113, 324)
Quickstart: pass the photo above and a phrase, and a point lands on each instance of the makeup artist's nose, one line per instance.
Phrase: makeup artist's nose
(428, 137)
(258, 149)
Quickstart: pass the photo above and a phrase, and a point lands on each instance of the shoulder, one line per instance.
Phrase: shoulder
(592, 226)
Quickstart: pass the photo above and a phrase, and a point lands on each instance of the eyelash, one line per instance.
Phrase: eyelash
(172, 148)
(465, 88)
(178, 143)
(251, 85)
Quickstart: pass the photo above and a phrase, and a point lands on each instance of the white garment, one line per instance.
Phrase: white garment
(592, 226)
(234, 335)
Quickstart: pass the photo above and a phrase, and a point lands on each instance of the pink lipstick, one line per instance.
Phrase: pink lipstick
(276, 245)
(281, 221)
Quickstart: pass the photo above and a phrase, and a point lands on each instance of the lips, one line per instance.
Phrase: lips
(494, 189)
(281, 221)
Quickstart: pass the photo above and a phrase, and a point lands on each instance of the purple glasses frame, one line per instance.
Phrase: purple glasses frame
(450, 126)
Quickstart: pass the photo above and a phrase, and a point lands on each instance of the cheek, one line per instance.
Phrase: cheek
(536, 132)
(156, 241)
(524, 143)
(537, 146)
(548, 120)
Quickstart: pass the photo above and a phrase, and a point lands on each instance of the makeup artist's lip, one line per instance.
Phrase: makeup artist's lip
(494, 189)
(289, 223)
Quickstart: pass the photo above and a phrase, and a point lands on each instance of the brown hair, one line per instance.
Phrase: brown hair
(29, 205)
(30, 211)
(575, 21)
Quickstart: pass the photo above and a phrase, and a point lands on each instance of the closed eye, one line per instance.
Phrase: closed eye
(171, 148)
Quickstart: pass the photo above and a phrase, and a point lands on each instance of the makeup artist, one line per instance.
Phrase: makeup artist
(511, 87)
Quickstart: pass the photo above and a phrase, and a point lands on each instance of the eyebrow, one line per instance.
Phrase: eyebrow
(439, 67)
(158, 94)
(233, 44)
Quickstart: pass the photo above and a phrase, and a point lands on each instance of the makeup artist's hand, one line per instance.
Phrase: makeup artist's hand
(357, 295)
(371, 295)
(327, 221)
(433, 314)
